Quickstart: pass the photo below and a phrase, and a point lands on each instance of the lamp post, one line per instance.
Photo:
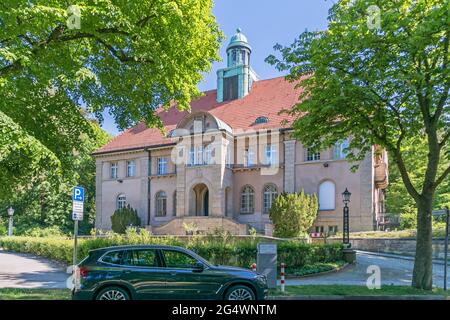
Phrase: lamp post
(10, 226)
(349, 254)
(346, 228)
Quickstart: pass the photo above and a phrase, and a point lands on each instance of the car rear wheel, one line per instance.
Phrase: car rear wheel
(113, 293)
(240, 293)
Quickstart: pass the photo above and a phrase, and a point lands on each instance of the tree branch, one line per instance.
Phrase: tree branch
(442, 177)
(444, 140)
(443, 99)
(57, 35)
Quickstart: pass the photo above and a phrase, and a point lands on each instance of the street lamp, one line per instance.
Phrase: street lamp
(10, 227)
(346, 228)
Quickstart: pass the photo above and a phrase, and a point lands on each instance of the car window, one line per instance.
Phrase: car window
(144, 258)
(178, 259)
(114, 257)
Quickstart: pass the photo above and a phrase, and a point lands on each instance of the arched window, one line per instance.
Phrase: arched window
(327, 195)
(161, 204)
(247, 200)
(174, 203)
(270, 192)
(121, 201)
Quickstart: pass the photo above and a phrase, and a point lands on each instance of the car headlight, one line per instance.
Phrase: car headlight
(262, 279)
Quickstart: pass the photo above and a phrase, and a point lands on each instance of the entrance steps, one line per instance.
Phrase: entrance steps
(178, 226)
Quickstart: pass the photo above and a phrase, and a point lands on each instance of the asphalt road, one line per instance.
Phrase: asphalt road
(393, 270)
(19, 270)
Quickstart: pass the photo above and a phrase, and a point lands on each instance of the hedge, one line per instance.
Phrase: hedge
(240, 253)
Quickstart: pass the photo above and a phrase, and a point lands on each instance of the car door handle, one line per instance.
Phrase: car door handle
(126, 271)
(173, 273)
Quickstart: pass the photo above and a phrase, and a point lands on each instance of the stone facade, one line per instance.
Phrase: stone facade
(223, 163)
(215, 190)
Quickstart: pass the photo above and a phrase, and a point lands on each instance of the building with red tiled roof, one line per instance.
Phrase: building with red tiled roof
(224, 162)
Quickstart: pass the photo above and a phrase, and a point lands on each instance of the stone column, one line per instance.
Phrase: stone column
(289, 166)
(365, 220)
(144, 176)
(181, 190)
(98, 194)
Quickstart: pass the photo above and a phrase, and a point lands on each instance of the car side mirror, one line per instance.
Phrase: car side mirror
(199, 267)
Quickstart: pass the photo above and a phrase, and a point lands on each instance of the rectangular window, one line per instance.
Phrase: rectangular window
(319, 229)
(199, 159)
(332, 230)
(340, 149)
(271, 155)
(114, 170)
(208, 154)
(191, 161)
(312, 155)
(131, 168)
(249, 158)
(162, 165)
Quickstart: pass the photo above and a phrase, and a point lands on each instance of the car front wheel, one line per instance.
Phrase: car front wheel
(113, 293)
(240, 293)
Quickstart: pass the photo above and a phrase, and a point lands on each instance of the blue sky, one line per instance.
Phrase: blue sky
(264, 22)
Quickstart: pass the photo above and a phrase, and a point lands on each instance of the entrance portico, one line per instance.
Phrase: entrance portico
(199, 200)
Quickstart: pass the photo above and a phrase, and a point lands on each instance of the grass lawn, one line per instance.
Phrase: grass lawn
(34, 294)
(345, 290)
(438, 232)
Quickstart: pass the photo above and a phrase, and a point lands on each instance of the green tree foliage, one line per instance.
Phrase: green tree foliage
(380, 84)
(124, 218)
(398, 200)
(44, 200)
(129, 56)
(293, 214)
(62, 66)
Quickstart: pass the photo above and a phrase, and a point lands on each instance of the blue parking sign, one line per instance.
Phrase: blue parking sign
(78, 194)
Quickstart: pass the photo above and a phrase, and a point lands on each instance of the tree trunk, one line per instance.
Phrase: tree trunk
(423, 263)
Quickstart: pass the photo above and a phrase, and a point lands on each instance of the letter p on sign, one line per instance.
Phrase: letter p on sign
(78, 194)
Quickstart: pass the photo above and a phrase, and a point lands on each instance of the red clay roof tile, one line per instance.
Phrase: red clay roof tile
(266, 98)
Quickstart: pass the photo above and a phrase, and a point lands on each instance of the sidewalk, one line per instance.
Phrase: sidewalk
(398, 256)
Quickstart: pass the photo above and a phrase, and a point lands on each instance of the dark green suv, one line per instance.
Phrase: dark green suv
(162, 272)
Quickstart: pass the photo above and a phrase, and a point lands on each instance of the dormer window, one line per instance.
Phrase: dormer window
(261, 120)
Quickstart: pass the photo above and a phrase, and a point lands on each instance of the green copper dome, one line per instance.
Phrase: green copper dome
(239, 40)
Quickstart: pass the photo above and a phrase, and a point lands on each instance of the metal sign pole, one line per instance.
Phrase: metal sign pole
(446, 248)
(75, 238)
(77, 215)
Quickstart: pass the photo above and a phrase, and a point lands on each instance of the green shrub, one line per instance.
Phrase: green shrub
(53, 231)
(124, 218)
(3, 228)
(234, 252)
(293, 214)
(408, 220)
